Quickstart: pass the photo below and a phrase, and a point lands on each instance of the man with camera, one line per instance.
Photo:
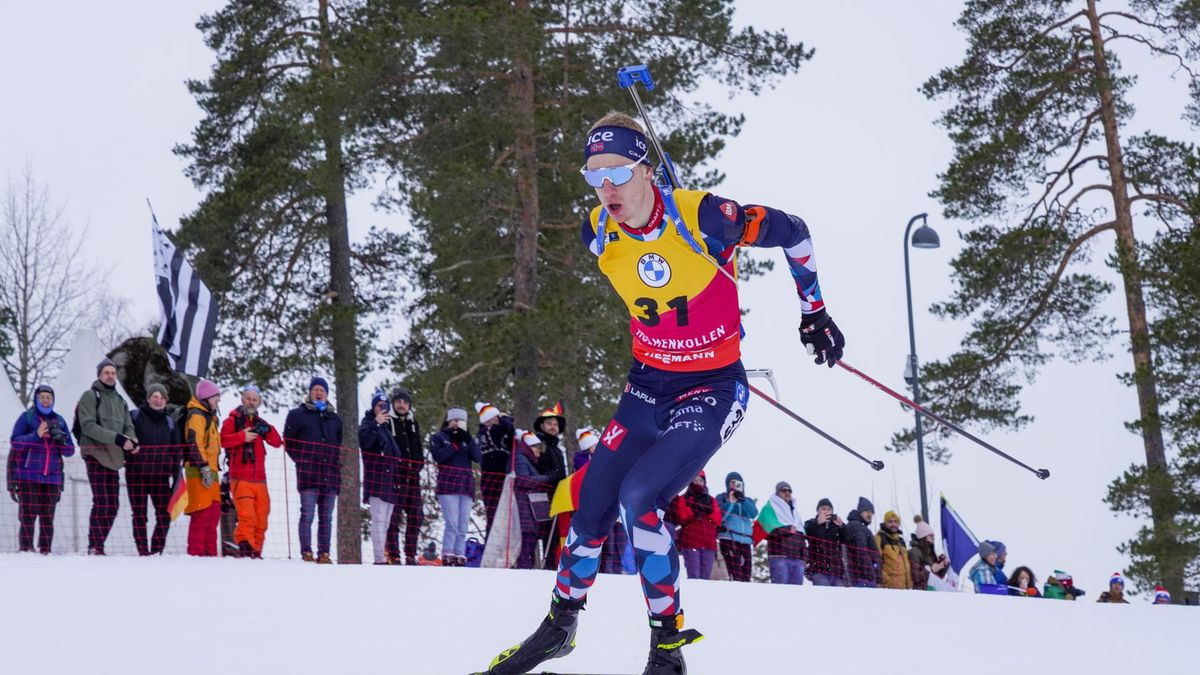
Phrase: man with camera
(35, 468)
(245, 435)
(150, 472)
(105, 434)
(737, 527)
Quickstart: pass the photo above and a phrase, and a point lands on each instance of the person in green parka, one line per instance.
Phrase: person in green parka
(105, 434)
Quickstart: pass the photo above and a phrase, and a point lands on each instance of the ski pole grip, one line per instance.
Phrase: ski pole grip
(628, 75)
(1043, 473)
(877, 465)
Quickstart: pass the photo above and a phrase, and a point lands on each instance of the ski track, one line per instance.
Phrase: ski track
(67, 614)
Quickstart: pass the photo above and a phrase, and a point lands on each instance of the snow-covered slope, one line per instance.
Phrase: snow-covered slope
(73, 614)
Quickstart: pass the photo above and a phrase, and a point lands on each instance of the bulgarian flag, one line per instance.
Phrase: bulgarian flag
(767, 522)
(179, 498)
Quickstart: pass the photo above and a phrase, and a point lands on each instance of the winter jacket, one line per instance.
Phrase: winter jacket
(737, 518)
(529, 480)
(204, 439)
(861, 554)
(698, 516)
(380, 458)
(247, 461)
(921, 558)
(161, 448)
(824, 547)
(983, 576)
(784, 543)
(495, 445)
(406, 431)
(552, 462)
(454, 450)
(103, 415)
(1117, 598)
(34, 459)
(582, 457)
(895, 568)
(313, 439)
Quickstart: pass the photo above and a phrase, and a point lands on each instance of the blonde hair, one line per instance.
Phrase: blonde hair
(617, 119)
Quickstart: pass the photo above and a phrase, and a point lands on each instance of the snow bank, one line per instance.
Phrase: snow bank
(67, 614)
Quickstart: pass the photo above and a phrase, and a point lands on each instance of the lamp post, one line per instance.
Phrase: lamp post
(924, 237)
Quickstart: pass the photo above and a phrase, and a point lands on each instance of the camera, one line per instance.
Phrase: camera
(57, 435)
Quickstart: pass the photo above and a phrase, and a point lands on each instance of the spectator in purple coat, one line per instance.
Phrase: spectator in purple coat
(587, 445)
(529, 482)
(40, 441)
(454, 450)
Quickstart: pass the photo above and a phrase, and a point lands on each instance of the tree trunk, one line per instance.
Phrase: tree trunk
(525, 278)
(1162, 514)
(344, 313)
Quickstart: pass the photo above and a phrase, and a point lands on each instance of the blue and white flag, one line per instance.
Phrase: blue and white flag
(189, 313)
(957, 540)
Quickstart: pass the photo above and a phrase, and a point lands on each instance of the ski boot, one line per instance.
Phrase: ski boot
(667, 638)
(553, 639)
(245, 550)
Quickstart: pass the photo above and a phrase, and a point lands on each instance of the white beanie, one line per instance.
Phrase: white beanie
(486, 411)
(587, 440)
(923, 529)
(456, 414)
(528, 437)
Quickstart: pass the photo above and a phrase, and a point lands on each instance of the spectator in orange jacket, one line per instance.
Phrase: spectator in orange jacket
(698, 517)
(245, 435)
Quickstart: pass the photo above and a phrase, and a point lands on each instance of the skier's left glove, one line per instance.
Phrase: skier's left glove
(821, 336)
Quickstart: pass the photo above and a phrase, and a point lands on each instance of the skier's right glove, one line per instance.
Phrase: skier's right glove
(206, 476)
(821, 336)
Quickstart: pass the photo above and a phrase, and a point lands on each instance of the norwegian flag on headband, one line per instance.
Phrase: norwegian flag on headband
(189, 313)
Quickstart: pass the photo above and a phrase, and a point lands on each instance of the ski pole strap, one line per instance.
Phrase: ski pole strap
(1040, 473)
(874, 464)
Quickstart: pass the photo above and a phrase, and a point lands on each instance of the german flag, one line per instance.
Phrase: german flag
(566, 495)
(179, 499)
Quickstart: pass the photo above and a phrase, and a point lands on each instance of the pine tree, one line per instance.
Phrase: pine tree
(512, 308)
(278, 151)
(1040, 117)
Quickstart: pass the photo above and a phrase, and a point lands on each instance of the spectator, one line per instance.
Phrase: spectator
(1060, 586)
(785, 543)
(454, 449)
(245, 436)
(737, 527)
(1116, 591)
(528, 483)
(549, 426)
(895, 569)
(1001, 558)
(1161, 596)
(150, 474)
(410, 503)
(862, 558)
(380, 458)
(429, 556)
(105, 435)
(698, 516)
(587, 445)
(312, 437)
(928, 568)
(39, 442)
(983, 573)
(1023, 583)
(200, 470)
(495, 439)
(826, 533)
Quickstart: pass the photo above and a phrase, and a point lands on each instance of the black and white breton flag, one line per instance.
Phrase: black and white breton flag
(189, 313)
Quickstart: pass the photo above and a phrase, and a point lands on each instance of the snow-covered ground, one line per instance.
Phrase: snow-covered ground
(72, 614)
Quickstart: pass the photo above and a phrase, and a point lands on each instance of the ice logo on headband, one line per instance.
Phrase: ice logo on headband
(616, 140)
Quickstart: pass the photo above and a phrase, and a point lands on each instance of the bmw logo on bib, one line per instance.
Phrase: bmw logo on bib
(654, 270)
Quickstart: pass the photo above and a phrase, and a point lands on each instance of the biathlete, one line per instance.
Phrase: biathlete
(686, 393)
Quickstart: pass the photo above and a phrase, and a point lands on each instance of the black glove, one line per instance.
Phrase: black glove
(701, 506)
(821, 336)
(13, 491)
(120, 442)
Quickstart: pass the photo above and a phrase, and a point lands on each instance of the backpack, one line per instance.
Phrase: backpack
(75, 428)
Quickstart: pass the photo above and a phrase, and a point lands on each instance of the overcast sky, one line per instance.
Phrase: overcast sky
(95, 100)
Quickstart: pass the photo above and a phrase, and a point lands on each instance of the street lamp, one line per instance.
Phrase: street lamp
(924, 237)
